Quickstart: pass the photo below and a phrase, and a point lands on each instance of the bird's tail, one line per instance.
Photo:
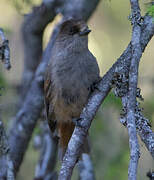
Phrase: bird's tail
(65, 133)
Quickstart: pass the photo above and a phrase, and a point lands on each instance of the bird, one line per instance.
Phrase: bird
(71, 75)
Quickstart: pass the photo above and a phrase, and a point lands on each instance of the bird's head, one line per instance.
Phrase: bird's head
(74, 33)
(73, 27)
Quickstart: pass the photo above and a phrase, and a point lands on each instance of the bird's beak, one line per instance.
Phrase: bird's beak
(84, 32)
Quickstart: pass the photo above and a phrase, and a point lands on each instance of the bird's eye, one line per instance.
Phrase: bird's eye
(73, 30)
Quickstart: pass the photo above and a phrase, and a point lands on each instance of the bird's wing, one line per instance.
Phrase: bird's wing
(48, 101)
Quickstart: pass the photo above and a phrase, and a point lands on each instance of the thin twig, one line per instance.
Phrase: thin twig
(145, 132)
(47, 161)
(86, 171)
(132, 92)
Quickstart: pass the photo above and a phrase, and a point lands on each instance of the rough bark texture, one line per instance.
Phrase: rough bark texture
(6, 164)
(4, 51)
(132, 91)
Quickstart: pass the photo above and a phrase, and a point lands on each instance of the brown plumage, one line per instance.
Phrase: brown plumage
(70, 75)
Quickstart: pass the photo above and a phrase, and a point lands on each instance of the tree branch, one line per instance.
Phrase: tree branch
(4, 146)
(4, 51)
(86, 171)
(47, 161)
(79, 8)
(32, 34)
(132, 92)
(5, 155)
(121, 66)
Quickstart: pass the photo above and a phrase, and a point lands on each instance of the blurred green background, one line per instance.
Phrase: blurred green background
(111, 32)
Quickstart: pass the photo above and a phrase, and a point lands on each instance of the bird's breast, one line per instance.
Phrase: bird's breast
(71, 81)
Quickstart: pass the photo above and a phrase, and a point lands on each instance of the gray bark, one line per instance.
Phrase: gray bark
(4, 51)
(132, 91)
(6, 164)
(32, 34)
(48, 147)
(86, 171)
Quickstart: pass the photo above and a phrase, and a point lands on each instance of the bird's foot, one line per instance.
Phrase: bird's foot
(77, 121)
(94, 86)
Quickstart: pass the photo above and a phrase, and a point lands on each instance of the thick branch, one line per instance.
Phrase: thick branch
(29, 113)
(32, 33)
(80, 8)
(121, 66)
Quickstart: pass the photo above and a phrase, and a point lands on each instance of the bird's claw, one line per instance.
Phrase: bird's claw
(94, 86)
(77, 121)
